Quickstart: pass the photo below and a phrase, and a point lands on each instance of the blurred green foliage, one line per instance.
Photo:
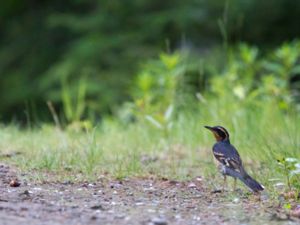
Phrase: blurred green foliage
(249, 79)
(255, 78)
(84, 55)
(290, 167)
(154, 91)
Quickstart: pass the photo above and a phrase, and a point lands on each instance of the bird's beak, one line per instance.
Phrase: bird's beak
(214, 131)
(210, 128)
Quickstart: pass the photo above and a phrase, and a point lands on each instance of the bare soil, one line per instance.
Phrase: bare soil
(130, 201)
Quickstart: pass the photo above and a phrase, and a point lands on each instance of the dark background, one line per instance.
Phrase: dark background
(47, 45)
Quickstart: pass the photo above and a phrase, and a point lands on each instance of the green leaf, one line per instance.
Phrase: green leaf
(168, 113)
(154, 122)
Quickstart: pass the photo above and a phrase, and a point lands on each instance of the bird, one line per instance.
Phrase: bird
(230, 161)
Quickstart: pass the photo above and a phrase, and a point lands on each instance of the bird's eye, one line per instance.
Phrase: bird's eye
(221, 133)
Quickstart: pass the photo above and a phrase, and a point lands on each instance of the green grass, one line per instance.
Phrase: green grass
(139, 149)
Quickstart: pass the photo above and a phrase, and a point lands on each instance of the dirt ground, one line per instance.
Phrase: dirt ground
(130, 201)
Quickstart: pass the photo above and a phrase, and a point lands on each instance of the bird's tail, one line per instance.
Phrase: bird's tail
(245, 178)
(250, 182)
(253, 184)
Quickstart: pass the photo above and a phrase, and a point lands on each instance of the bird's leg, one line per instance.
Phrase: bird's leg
(234, 184)
(225, 182)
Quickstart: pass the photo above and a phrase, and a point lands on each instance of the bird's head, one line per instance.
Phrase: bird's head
(220, 133)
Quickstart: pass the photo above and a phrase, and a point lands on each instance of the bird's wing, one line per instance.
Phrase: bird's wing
(228, 156)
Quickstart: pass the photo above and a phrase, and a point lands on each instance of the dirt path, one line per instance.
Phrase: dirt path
(134, 201)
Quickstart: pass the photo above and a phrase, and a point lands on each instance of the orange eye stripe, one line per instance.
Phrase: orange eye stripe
(217, 136)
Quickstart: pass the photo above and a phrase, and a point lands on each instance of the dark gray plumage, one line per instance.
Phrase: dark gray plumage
(230, 159)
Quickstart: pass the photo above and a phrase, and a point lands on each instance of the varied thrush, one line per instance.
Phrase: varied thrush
(230, 160)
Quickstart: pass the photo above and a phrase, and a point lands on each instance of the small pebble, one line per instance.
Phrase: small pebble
(139, 203)
(296, 211)
(236, 200)
(120, 216)
(159, 221)
(192, 185)
(14, 183)
(94, 218)
(97, 207)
